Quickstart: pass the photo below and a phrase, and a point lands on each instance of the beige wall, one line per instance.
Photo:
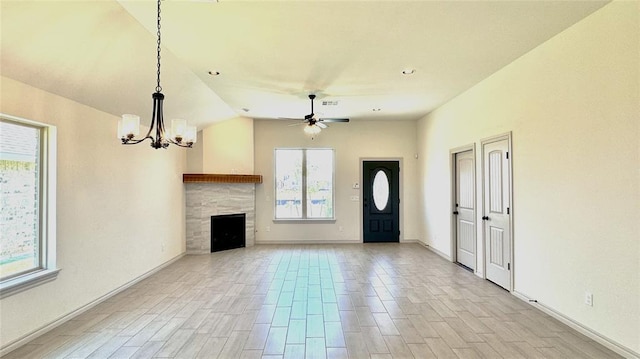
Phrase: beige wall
(227, 147)
(351, 141)
(120, 209)
(194, 156)
(574, 108)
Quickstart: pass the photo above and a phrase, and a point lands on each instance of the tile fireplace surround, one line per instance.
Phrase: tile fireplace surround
(212, 195)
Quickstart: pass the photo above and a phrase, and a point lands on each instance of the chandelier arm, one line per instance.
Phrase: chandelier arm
(181, 144)
(160, 124)
(135, 142)
(153, 118)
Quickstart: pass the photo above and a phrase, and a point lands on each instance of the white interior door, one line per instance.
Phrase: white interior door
(497, 231)
(464, 212)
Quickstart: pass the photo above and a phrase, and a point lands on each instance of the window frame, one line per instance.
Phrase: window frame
(304, 217)
(47, 269)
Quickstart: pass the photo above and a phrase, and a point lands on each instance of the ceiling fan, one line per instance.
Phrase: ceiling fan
(315, 124)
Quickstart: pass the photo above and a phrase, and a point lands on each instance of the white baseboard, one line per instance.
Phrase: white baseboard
(324, 241)
(410, 241)
(595, 336)
(448, 258)
(422, 244)
(63, 319)
(311, 241)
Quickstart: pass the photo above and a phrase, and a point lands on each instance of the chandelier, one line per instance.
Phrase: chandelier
(179, 134)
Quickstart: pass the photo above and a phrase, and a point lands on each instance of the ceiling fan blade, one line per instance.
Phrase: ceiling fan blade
(290, 118)
(321, 125)
(297, 124)
(334, 120)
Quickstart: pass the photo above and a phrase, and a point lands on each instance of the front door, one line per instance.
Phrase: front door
(497, 231)
(381, 201)
(464, 211)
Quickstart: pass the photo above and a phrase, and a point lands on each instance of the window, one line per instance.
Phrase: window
(27, 219)
(304, 183)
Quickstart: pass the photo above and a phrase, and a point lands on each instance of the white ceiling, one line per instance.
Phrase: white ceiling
(271, 55)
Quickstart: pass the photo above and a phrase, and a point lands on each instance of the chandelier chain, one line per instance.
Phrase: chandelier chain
(158, 87)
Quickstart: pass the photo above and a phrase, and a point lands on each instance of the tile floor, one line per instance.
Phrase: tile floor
(314, 301)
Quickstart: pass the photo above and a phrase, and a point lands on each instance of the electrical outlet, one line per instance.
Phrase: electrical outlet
(340, 228)
(268, 229)
(355, 198)
(588, 299)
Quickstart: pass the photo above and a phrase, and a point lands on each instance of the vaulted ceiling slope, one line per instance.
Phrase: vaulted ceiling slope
(270, 55)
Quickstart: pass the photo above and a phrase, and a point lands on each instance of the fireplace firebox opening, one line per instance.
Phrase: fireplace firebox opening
(228, 231)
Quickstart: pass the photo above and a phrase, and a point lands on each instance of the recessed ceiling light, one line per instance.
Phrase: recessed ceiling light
(376, 110)
(408, 71)
(214, 73)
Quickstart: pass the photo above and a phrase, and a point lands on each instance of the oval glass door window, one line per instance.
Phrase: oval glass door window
(380, 190)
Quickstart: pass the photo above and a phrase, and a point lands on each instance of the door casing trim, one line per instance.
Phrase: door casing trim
(400, 193)
(504, 136)
(452, 170)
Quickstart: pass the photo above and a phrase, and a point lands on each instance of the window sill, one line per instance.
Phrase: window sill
(16, 285)
(304, 220)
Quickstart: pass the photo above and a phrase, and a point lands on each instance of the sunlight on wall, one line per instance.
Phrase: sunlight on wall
(573, 106)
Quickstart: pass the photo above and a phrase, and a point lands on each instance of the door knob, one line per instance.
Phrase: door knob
(485, 218)
(455, 212)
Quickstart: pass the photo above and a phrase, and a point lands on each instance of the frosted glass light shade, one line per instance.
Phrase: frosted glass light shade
(312, 130)
(129, 126)
(178, 128)
(191, 134)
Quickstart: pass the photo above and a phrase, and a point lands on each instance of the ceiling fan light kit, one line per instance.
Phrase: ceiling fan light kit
(315, 125)
(312, 130)
(179, 134)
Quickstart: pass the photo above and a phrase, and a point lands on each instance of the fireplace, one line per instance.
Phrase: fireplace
(228, 231)
(206, 199)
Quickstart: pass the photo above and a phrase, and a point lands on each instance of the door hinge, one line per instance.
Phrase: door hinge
(507, 155)
(508, 266)
(507, 210)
